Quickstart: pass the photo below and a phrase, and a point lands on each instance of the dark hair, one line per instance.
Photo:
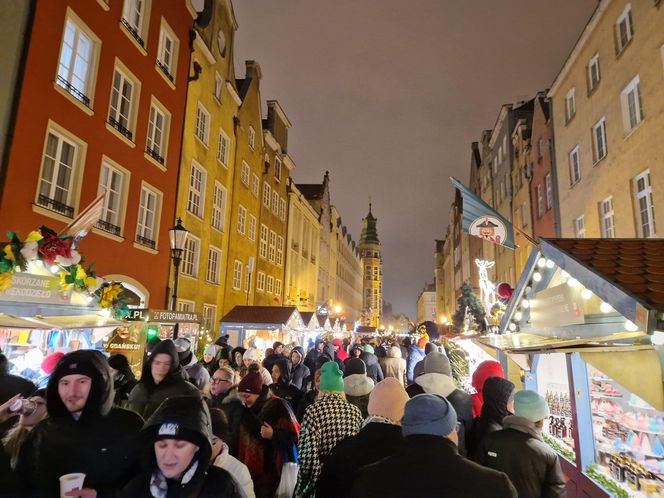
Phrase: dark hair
(320, 361)
(407, 342)
(277, 344)
(219, 423)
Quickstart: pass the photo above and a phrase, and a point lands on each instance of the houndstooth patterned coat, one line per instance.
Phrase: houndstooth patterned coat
(326, 422)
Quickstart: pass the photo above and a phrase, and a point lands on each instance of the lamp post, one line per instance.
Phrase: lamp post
(177, 237)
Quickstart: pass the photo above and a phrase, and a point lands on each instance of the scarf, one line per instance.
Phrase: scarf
(379, 420)
(159, 484)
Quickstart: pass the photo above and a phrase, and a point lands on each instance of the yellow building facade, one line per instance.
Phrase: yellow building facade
(346, 265)
(206, 169)
(608, 103)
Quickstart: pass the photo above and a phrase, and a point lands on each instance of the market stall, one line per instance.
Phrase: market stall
(585, 323)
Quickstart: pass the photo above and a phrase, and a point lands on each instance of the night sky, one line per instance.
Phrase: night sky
(389, 94)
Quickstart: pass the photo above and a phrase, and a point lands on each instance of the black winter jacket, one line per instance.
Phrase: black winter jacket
(429, 467)
(530, 463)
(299, 371)
(374, 371)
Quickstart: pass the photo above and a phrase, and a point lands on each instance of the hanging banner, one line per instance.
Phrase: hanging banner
(29, 288)
(557, 307)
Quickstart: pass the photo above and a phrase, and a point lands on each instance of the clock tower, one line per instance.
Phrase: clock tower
(372, 264)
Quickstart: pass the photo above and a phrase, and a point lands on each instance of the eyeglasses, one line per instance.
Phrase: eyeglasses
(216, 380)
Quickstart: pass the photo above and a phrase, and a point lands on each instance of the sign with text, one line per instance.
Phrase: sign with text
(29, 288)
(557, 307)
(165, 316)
(137, 315)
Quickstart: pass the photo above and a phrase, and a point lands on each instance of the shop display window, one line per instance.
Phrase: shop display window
(629, 437)
(553, 384)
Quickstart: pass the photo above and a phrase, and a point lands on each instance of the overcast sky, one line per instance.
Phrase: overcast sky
(389, 94)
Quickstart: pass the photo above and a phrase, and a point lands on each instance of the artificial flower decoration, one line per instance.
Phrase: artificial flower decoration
(30, 247)
(5, 281)
(52, 246)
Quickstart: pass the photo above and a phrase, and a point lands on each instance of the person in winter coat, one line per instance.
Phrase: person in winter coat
(250, 357)
(536, 471)
(282, 386)
(379, 437)
(374, 372)
(313, 354)
(329, 351)
(486, 369)
(498, 395)
(428, 464)
(221, 385)
(330, 419)
(357, 385)
(339, 349)
(161, 378)
(311, 395)
(236, 358)
(267, 434)
(415, 354)
(209, 361)
(124, 379)
(277, 353)
(394, 365)
(299, 371)
(197, 373)
(223, 459)
(83, 432)
(177, 450)
(437, 379)
(12, 384)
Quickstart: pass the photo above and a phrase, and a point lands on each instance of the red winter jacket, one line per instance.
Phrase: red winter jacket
(486, 369)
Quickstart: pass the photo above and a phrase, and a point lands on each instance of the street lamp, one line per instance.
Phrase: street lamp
(177, 237)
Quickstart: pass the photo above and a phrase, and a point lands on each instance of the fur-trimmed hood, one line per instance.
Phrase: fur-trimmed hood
(394, 352)
(358, 385)
(436, 383)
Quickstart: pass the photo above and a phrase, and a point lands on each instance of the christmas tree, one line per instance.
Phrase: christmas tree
(468, 303)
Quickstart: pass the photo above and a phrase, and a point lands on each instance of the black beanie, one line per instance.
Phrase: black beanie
(118, 361)
(76, 363)
(355, 366)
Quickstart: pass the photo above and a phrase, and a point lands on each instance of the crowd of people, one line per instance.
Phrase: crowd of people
(371, 419)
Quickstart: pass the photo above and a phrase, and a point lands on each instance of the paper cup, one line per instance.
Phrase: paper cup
(70, 482)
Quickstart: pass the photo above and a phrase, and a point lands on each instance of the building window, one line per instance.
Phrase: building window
(241, 219)
(262, 246)
(630, 98)
(273, 246)
(148, 217)
(570, 104)
(210, 317)
(196, 194)
(214, 262)
(134, 19)
(167, 52)
(277, 169)
(538, 190)
(218, 206)
(158, 127)
(124, 96)
(275, 202)
(244, 174)
(523, 214)
(645, 211)
(112, 181)
(202, 130)
(579, 227)
(186, 306)
(190, 256)
(269, 287)
(277, 287)
(222, 148)
(606, 218)
(282, 209)
(251, 137)
(574, 166)
(255, 184)
(280, 250)
(260, 281)
(549, 191)
(594, 75)
(252, 228)
(624, 30)
(599, 140)
(237, 275)
(218, 82)
(367, 272)
(267, 193)
(59, 169)
(78, 57)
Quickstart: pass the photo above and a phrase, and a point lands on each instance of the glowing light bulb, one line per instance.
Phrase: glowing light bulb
(525, 304)
(631, 326)
(106, 313)
(605, 307)
(550, 264)
(572, 282)
(39, 262)
(512, 326)
(518, 316)
(564, 274)
(541, 262)
(586, 294)
(54, 268)
(657, 338)
(537, 276)
(89, 298)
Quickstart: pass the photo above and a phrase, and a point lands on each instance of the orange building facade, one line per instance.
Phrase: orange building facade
(101, 108)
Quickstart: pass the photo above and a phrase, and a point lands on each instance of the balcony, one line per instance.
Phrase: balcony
(154, 155)
(164, 69)
(144, 241)
(57, 206)
(133, 31)
(76, 93)
(108, 227)
(120, 127)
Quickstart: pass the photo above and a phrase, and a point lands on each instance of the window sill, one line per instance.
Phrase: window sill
(210, 282)
(165, 78)
(104, 5)
(592, 90)
(622, 49)
(600, 159)
(206, 146)
(568, 121)
(222, 164)
(120, 135)
(87, 110)
(188, 277)
(220, 230)
(195, 215)
(108, 235)
(633, 130)
(145, 248)
(155, 162)
(36, 208)
(132, 39)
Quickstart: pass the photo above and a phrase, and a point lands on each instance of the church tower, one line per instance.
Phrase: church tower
(372, 282)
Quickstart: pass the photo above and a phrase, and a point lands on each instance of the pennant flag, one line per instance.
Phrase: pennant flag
(481, 220)
(79, 227)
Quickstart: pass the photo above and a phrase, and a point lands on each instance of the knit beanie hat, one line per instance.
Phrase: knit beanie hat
(530, 405)
(118, 361)
(355, 366)
(428, 414)
(251, 383)
(49, 362)
(388, 399)
(437, 363)
(250, 354)
(331, 378)
(368, 348)
(76, 363)
(210, 350)
(182, 344)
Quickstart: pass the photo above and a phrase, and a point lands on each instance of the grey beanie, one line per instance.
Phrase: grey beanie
(428, 414)
(437, 363)
(355, 366)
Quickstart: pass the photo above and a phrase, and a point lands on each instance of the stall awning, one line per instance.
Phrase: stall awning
(64, 322)
(523, 342)
(264, 317)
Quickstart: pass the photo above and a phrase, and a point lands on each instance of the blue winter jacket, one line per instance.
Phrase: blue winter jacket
(415, 355)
